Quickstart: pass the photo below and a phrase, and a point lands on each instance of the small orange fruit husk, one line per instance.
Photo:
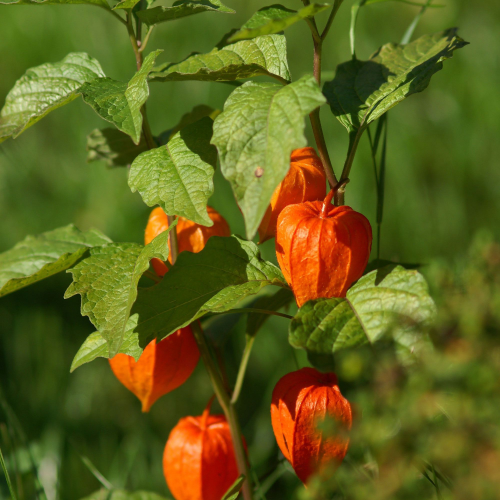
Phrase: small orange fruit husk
(191, 236)
(162, 367)
(199, 461)
(322, 249)
(305, 181)
(304, 402)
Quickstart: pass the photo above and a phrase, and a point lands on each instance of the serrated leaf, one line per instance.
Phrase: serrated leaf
(114, 147)
(390, 301)
(178, 176)
(38, 257)
(214, 280)
(107, 282)
(275, 18)
(104, 494)
(96, 346)
(45, 88)
(280, 299)
(181, 8)
(234, 490)
(100, 3)
(362, 91)
(260, 126)
(264, 56)
(121, 103)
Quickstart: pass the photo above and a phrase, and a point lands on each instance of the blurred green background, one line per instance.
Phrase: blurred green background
(442, 189)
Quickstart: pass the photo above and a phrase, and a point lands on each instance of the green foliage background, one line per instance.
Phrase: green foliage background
(442, 190)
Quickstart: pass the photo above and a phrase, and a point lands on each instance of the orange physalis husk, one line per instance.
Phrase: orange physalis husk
(322, 249)
(162, 367)
(311, 420)
(199, 461)
(305, 181)
(191, 236)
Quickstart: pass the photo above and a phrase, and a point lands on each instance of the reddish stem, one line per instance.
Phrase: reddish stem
(327, 203)
(206, 413)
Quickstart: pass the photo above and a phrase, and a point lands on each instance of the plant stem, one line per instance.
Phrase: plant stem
(227, 407)
(314, 116)
(113, 13)
(322, 148)
(354, 137)
(333, 13)
(146, 130)
(133, 41)
(243, 367)
(146, 39)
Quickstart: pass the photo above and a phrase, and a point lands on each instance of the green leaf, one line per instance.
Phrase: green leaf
(178, 176)
(362, 91)
(126, 4)
(104, 494)
(265, 55)
(100, 3)
(280, 299)
(196, 114)
(96, 346)
(275, 18)
(45, 88)
(262, 123)
(390, 301)
(38, 257)
(214, 280)
(114, 147)
(181, 8)
(234, 490)
(121, 103)
(107, 282)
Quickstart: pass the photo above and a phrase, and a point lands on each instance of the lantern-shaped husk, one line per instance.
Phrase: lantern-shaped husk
(311, 420)
(305, 181)
(322, 249)
(199, 461)
(162, 367)
(190, 236)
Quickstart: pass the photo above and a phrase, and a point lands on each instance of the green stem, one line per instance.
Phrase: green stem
(333, 13)
(322, 148)
(146, 39)
(148, 136)
(314, 116)
(354, 137)
(133, 41)
(227, 407)
(113, 13)
(243, 368)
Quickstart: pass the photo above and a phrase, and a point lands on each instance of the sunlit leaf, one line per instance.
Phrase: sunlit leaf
(275, 18)
(45, 88)
(178, 176)
(262, 123)
(390, 301)
(107, 282)
(38, 257)
(362, 91)
(181, 8)
(226, 271)
(120, 103)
